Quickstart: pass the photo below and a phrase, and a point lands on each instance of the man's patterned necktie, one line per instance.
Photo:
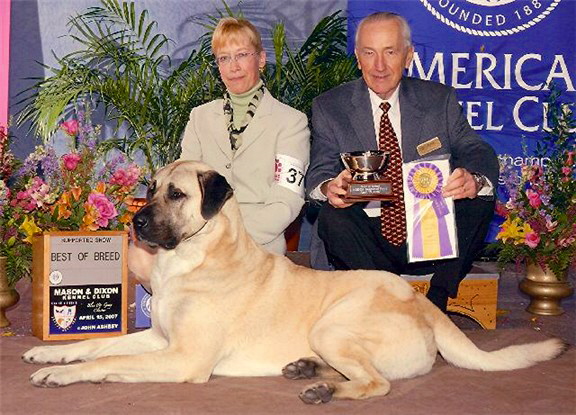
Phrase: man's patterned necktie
(392, 217)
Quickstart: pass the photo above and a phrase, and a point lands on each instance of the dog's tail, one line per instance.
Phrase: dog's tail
(456, 348)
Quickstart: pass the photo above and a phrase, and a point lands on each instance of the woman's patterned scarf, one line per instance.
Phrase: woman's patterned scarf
(236, 133)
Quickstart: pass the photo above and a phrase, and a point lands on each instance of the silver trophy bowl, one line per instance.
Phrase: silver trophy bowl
(365, 165)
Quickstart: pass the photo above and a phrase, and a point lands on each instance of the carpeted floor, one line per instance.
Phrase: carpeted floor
(548, 388)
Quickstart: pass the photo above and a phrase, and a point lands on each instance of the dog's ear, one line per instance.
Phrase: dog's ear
(215, 192)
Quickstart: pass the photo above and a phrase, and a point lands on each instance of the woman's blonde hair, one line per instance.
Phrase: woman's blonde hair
(231, 30)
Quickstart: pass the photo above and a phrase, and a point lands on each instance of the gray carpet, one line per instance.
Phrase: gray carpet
(547, 388)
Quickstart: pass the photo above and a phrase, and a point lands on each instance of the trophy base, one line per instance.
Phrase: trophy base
(366, 191)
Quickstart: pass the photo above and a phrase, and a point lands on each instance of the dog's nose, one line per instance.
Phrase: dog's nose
(140, 221)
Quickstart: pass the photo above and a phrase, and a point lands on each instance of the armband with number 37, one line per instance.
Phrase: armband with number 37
(290, 173)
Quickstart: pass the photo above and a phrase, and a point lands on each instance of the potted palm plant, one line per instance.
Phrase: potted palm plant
(123, 64)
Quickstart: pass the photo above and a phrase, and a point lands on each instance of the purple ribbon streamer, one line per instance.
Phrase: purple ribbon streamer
(440, 209)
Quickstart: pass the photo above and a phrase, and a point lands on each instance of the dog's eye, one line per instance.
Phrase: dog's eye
(175, 194)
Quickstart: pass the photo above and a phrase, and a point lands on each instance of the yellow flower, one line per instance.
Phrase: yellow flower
(89, 220)
(126, 218)
(30, 228)
(63, 205)
(100, 187)
(514, 230)
(76, 192)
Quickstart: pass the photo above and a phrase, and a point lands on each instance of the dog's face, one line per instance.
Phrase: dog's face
(182, 197)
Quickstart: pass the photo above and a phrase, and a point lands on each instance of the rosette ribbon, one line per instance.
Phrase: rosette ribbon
(430, 232)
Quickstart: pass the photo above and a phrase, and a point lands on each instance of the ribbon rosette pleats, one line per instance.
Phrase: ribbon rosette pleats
(430, 233)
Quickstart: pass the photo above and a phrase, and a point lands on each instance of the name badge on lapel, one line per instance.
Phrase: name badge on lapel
(429, 146)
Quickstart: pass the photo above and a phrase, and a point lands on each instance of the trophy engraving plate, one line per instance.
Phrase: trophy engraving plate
(377, 189)
(367, 183)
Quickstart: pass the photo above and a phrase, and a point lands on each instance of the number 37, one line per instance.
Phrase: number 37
(294, 175)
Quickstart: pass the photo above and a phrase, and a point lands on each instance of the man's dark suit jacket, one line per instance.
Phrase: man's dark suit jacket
(342, 121)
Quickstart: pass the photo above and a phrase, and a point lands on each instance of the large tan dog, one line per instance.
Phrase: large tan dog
(222, 305)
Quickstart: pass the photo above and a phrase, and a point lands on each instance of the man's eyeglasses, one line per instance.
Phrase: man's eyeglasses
(239, 57)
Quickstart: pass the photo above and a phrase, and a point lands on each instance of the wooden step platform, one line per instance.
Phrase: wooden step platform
(477, 295)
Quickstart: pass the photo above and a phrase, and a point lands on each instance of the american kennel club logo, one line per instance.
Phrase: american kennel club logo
(64, 316)
(490, 17)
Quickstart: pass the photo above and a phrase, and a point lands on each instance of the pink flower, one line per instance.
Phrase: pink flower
(35, 195)
(106, 209)
(551, 225)
(126, 177)
(532, 239)
(501, 209)
(532, 173)
(533, 198)
(566, 170)
(565, 242)
(71, 161)
(70, 127)
(24, 199)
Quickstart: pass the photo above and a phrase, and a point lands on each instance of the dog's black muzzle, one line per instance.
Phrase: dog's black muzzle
(149, 231)
(141, 221)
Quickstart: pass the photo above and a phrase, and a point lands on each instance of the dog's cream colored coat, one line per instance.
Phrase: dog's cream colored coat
(223, 305)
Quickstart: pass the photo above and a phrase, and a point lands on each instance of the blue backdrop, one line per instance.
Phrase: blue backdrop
(500, 55)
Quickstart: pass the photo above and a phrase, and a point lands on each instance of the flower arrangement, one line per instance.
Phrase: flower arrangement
(540, 212)
(83, 189)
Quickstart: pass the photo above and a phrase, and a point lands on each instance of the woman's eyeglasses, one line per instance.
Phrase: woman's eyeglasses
(239, 57)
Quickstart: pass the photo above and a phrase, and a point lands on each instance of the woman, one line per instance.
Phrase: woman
(259, 144)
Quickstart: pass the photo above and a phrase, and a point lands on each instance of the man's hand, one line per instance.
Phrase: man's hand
(335, 189)
(460, 184)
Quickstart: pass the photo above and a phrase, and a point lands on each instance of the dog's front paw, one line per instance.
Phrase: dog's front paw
(317, 393)
(46, 354)
(300, 369)
(55, 376)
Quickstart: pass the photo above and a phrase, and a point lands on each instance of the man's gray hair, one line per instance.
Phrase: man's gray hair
(384, 16)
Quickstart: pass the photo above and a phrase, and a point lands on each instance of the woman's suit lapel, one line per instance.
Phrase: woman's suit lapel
(256, 128)
(220, 130)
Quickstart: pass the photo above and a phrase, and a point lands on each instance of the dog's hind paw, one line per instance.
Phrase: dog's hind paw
(317, 393)
(300, 369)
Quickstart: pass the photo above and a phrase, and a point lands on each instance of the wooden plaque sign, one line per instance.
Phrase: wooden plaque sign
(79, 287)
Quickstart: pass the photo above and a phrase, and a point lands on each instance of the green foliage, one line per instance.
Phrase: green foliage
(18, 255)
(122, 63)
(320, 64)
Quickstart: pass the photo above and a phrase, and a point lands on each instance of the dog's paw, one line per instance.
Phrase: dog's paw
(317, 393)
(47, 354)
(300, 369)
(55, 376)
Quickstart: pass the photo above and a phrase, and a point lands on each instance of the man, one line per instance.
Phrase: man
(427, 121)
